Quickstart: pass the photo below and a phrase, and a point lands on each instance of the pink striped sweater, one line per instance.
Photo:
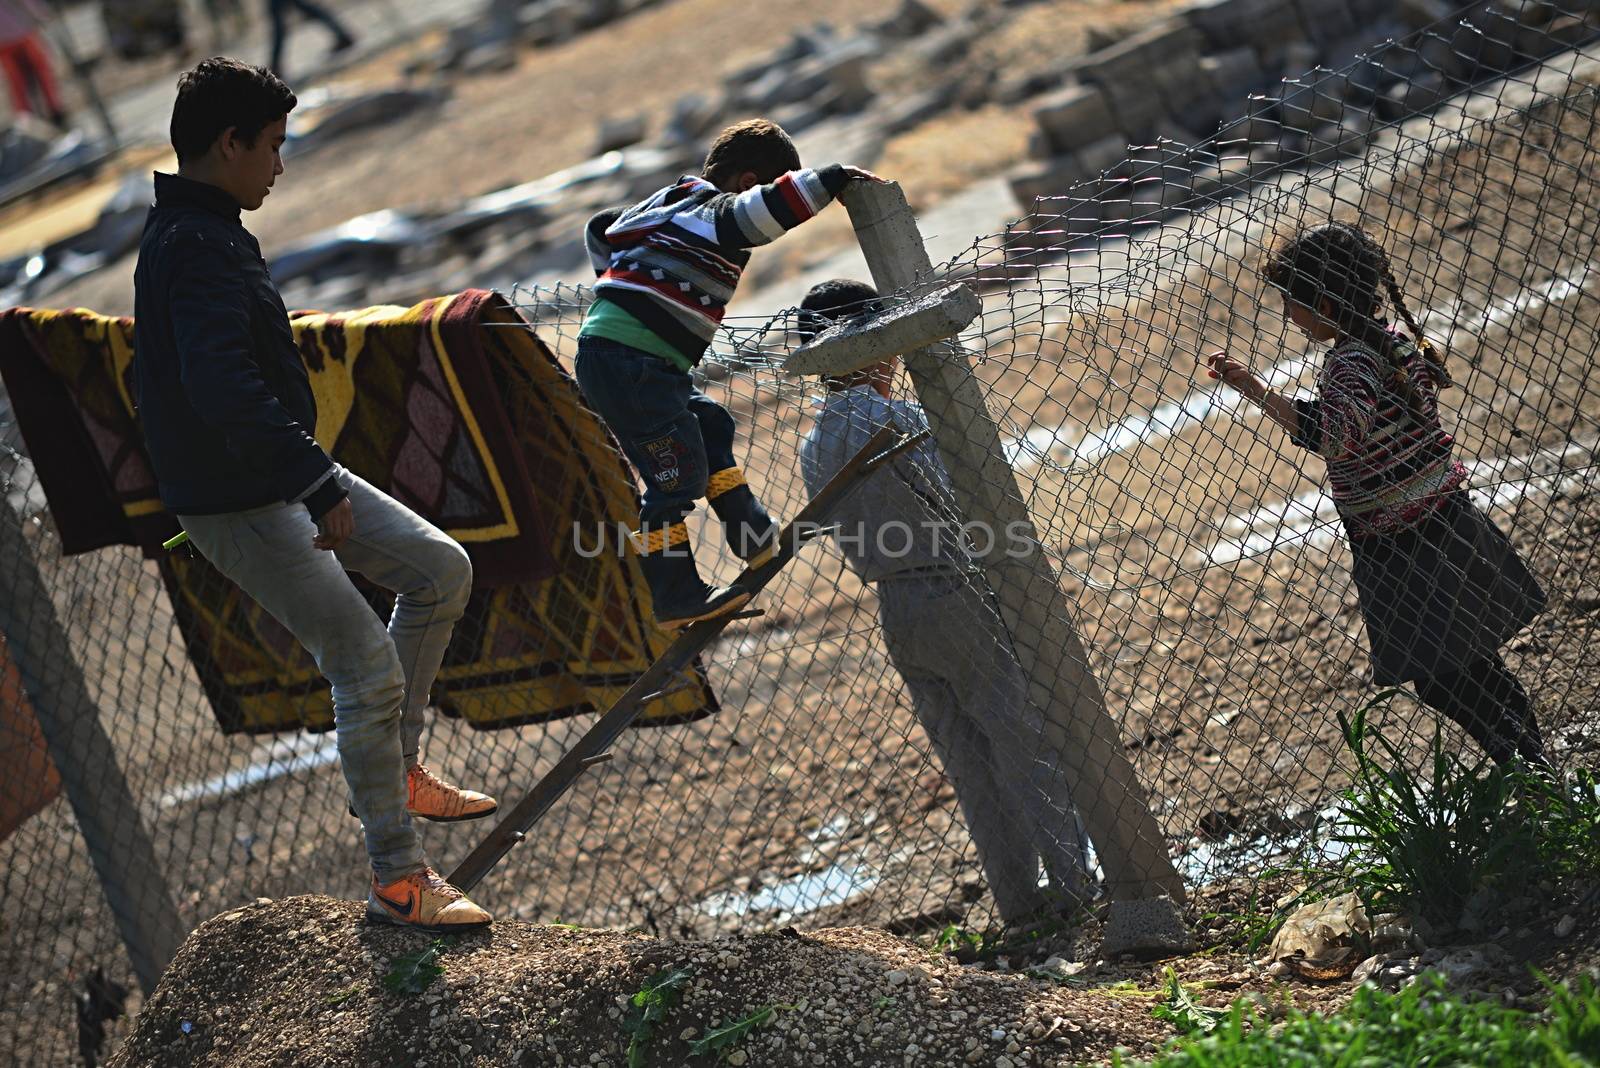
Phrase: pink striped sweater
(1387, 468)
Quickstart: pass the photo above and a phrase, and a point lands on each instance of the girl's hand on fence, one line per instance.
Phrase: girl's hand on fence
(1235, 374)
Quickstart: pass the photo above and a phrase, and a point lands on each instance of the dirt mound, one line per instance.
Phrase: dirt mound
(302, 981)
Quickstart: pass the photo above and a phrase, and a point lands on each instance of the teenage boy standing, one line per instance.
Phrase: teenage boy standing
(227, 412)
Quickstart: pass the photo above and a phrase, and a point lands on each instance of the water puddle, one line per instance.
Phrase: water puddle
(303, 752)
(798, 894)
(835, 881)
(1301, 838)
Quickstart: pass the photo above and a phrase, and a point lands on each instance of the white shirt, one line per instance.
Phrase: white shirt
(903, 518)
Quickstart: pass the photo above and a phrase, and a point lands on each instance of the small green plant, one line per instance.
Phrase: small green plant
(1427, 847)
(954, 937)
(1180, 1009)
(412, 973)
(1423, 1025)
(338, 997)
(1574, 1023)
(651, 1003)
(1567, 815)
(1434, 847)
(719, 1040)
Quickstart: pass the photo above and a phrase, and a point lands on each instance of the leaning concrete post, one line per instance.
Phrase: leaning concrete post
(107, 814)
(1034, 607)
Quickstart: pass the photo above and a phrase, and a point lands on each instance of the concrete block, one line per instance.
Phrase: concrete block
(1485, 46)
(1233, 74)
(858, 343)
(947, 44)
(1408, 98)
(692, 117)
(1569, 31)
(1326, 21)
(1047, 178)
(1421, 13)
(1167, 43)
(1058, 175)
(1073, 117)
(1295, 111)
(1298, 59)
(1138, 107)
(1106, 155)
(1262, 126)
(599, 12)
(1333, 141)
(914, 110)
(550, 22)
(619, 132)
(1147, 929)
(1557, 35)
(911, 19)
(1228, 24)
(1010, 89)
(1051, 177)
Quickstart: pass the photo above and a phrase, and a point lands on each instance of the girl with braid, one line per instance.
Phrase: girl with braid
(1441, 588)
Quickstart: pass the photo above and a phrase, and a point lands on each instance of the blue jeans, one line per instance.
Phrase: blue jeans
(674, 435)
(380, 677)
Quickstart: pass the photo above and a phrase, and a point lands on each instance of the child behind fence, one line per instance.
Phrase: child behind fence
(667, 268)
(944, 637)
(1441, 588)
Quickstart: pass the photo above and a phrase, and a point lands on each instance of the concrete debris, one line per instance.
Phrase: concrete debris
(620, 132)
(1146, 929)
(327, 115)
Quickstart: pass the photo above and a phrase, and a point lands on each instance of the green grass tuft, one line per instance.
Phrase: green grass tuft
(1421, 1027)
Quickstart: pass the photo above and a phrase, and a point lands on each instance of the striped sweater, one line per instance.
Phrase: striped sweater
(1387, 468)
(672, 262)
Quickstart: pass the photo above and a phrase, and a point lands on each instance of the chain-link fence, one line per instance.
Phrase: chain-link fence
(870, 730)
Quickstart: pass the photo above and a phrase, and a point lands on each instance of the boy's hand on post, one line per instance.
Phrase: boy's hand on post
(335, 527)
(861, 174)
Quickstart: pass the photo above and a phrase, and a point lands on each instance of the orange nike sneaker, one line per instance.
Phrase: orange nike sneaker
(432, 798)
(422, 899)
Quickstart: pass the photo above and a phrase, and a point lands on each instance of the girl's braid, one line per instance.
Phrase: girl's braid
(1436, 360)
(1372, 271)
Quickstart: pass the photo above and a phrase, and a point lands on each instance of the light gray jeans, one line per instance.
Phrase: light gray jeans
(972, 700)
(381, 678)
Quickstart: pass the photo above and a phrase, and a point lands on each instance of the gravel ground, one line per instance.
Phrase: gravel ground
(300, 982)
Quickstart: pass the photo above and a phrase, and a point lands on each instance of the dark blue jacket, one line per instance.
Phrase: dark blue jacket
(223, 395)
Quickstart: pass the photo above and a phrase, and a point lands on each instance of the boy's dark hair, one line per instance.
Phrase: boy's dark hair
(758, 145)
(220, 93)
(1342, 264)
(837, 298)
(827, 302)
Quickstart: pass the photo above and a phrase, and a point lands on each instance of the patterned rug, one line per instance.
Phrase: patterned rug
(457, 409)
(28, 778)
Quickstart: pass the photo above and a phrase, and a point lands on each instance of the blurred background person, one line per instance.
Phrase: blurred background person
(278, 13)
(26, 64)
